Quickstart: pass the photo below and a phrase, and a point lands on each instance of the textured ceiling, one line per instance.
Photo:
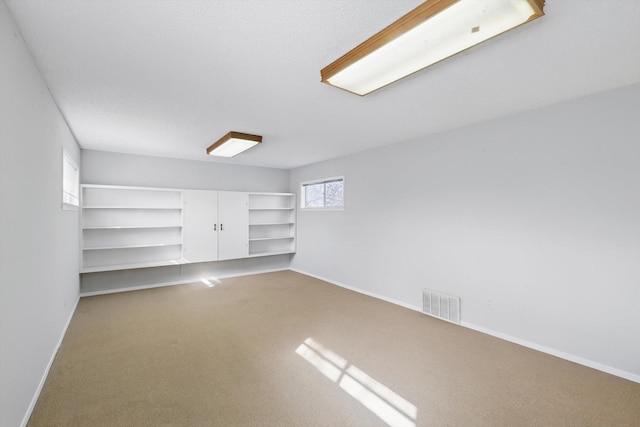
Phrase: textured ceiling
(168, 78)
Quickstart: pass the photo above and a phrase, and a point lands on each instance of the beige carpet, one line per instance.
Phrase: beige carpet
(284, 349)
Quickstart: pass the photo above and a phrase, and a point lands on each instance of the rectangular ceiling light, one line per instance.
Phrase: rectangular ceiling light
(435, 30)
(233, 143)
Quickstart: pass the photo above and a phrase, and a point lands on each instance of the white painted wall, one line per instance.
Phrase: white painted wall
(538, 212)
(102, 167)
(124, 169)
(39, 241)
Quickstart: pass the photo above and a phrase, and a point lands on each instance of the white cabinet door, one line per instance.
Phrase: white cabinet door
(200, 225)
(233, 218)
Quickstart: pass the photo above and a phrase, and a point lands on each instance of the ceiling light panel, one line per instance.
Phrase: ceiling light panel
(433, 31)
(233, 144)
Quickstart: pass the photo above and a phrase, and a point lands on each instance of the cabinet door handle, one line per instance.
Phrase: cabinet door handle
(220, 226)
(215, 227)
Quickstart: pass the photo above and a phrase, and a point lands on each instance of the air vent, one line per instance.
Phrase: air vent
(442, 306)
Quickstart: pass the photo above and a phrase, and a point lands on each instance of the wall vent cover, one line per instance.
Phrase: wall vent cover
(442, 306)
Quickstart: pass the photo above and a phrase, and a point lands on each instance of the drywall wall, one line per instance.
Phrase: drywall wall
(124, 169)
(101, 167)
(39, 282)
(532, 219)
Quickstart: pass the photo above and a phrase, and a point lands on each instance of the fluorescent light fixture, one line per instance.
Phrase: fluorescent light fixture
(435, 30)
(233, 143)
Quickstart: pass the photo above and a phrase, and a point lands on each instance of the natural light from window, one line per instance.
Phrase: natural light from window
(210, 281)
(70, 182)
(389, 406)
(323, 194)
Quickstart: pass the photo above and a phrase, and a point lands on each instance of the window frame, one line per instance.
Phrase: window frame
(324, 181)
(68, 202)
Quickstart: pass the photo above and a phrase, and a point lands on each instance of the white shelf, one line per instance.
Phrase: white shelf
(140, 208)
(270, 253)
(272, 220)
(129, 227)
(136, 227)
(156, 245)
(253, 194)
(128, 188)
(272, 223)
(271, 209)
(98, 268)
(271, 238)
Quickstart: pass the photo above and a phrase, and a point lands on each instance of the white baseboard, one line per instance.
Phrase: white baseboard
(551, 351)
(36, 395)
(175, 283)
(360, 291)
(557, 353)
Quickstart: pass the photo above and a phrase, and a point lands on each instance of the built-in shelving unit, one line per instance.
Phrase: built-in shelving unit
(137, 227)
(130, 227)
(272, 224)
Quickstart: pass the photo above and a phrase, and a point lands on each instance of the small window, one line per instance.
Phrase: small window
(324, 194)
(70, 182)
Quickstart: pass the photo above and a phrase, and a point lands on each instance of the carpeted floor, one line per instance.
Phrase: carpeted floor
(284, 349)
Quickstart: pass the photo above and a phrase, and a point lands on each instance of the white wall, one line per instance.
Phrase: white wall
(39, 242)
(101, 167)
(124, 169)
(538, 212)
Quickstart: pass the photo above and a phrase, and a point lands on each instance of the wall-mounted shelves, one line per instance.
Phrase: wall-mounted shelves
(121, 227)
(273, 223)
(271, 209)
(129, 227)
(270, 238)
(130, 266)
(137, 227)
(272, 228)
(126, 207)
(101, 248)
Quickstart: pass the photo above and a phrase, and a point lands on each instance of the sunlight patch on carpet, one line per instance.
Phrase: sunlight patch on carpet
(389, 406)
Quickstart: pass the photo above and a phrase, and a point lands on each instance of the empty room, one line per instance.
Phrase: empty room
(319, 213)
